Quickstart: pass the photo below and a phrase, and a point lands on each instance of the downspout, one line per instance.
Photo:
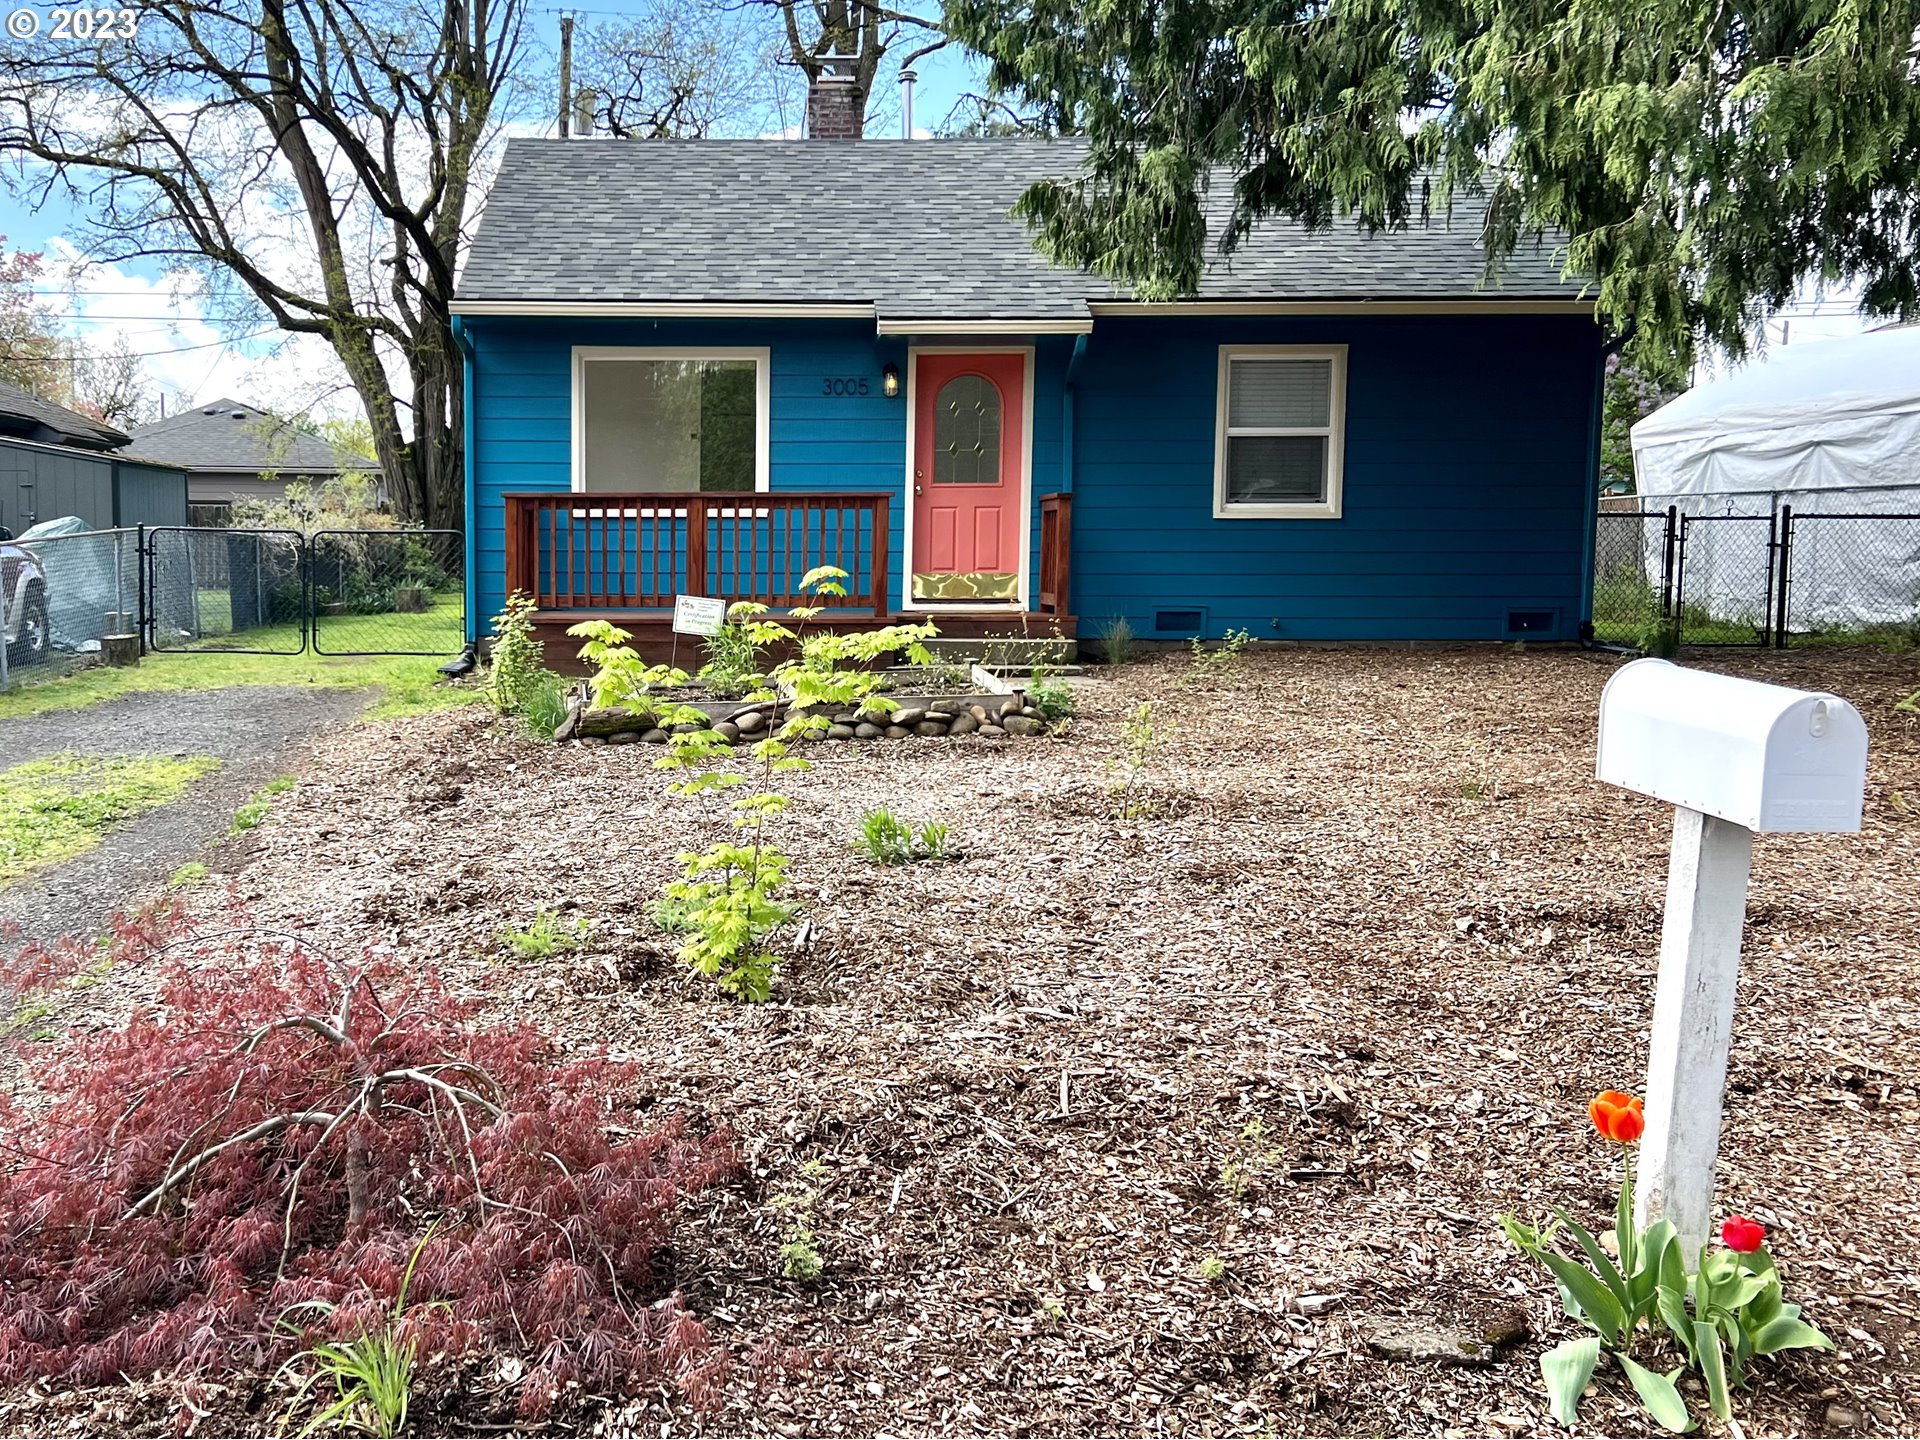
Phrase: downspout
(1596, 428)
(1066, 413)
(468, 658)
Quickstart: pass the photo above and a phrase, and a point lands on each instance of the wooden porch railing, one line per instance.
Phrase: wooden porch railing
(606, 551)
(1056, 550)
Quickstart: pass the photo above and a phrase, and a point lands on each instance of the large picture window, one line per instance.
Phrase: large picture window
(1280, 432)
(678, 422)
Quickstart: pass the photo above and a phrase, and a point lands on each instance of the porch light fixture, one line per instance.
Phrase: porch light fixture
(890, 381)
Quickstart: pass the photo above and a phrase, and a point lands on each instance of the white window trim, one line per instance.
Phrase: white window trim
(761, 356)
(1335, 431)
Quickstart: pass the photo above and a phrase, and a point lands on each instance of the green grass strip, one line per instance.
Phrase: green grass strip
(52, 810)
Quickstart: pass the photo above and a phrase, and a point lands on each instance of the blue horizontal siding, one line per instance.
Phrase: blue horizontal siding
(1467, 464)
(1466, 481)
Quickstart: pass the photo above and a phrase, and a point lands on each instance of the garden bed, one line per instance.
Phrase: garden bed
(1168, 1116)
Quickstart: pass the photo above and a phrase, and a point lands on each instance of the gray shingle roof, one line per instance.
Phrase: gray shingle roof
(227, 435)
(32, 418)
(913, 228)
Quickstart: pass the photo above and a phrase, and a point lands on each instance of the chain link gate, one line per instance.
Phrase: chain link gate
(1723, 579)
(277, 592)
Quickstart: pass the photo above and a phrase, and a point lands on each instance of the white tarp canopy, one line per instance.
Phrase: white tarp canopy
(1826, 415)
(1829, 427)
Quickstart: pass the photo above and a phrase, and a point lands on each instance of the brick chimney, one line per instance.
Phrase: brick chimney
(836, 110)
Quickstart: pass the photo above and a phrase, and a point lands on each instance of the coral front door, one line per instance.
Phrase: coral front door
(969, 451)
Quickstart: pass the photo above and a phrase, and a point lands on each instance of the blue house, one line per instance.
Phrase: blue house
(707, 366)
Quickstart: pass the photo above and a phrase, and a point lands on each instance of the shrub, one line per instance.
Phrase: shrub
(734, 652)
(1050, 695)
(1141, 737)
(1116, 640)
(276, 1130)
(1219, 662)
(518, 658)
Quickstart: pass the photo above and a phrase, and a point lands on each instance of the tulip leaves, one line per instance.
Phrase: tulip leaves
(1720, 1318)
(1567, 1368)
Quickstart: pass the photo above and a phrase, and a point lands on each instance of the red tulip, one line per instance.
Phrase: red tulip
(1741, 1235)
(1617, 1116)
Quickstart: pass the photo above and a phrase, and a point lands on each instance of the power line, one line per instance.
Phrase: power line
(149, 354)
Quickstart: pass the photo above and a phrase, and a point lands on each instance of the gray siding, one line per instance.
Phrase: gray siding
(43, 482)
(152, 494)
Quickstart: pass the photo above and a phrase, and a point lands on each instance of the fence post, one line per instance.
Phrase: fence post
(1786, 567)
(143, 567)
(1678, 613)
(1768, 631)
(696, 545)
(1667, 562)
(882, 536)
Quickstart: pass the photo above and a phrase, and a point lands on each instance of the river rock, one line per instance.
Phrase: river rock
(846, 718)
(993, 731)
(837, 731)
(727, 730)
(1009, 706)
(930, 728)
(965, 725)
(1022, 725)
(593, 742)
(867, 730)
(624, 737)
(898, 732)
(654, 737)
(750, 722)
(910, 716)
(979, 713)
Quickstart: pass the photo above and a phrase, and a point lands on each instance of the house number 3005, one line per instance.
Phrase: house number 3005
(853, 385)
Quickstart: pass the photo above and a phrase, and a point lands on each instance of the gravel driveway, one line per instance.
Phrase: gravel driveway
(257, 732)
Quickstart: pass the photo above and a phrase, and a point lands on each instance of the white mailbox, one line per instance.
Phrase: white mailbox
(1761, 756)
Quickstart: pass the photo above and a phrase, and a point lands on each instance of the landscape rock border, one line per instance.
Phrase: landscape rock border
(990, 716)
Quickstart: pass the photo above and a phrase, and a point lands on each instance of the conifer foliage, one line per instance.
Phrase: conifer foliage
(277, 1129)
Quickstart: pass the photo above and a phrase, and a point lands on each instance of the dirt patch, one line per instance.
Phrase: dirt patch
(1338, 1002)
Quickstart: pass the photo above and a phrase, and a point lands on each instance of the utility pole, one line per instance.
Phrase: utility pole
(566, 75)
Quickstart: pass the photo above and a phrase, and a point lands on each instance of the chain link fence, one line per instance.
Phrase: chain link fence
(89, 587)
(1749, 570)
(387, 592)
(1852, 578)
(239, 591)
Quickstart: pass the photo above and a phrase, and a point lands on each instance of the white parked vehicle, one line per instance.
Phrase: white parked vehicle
(23, 584)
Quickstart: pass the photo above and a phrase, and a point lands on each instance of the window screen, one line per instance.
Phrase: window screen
(670, 425)
(1280, 431)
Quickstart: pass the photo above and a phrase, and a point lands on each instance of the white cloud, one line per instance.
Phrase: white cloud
(189, 358)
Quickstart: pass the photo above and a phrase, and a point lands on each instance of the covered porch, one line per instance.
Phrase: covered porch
(624, 556)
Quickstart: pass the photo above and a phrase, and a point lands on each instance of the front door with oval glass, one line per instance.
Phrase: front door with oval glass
(968, 477)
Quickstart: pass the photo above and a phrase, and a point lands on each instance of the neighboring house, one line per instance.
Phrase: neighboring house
(233, 451)
(56, 462)
(1342, 437)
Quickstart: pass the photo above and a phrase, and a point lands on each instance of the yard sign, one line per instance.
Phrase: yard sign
(697, 615)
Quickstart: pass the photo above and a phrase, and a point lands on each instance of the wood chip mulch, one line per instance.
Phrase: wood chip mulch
(1164, 1125)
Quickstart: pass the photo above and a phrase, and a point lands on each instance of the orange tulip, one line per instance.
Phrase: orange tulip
(1619, 1117)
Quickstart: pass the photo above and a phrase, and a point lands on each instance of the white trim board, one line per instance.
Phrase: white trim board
(907, 602)
(1072, 325)
(1488, 305)
(761, 355)
(661, 309)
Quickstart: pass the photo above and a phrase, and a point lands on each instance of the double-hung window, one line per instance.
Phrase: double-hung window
(1280, 432)
(672, 421)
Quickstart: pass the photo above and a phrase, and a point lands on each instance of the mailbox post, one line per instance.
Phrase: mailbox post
(1734, 757)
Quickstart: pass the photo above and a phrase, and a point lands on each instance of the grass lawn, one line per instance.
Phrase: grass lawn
(409, 684)
(52, 810)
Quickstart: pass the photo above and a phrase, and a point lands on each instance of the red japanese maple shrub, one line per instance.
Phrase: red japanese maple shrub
(278, 1128)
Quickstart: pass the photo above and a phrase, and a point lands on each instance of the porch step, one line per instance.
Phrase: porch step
(1004, 652)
